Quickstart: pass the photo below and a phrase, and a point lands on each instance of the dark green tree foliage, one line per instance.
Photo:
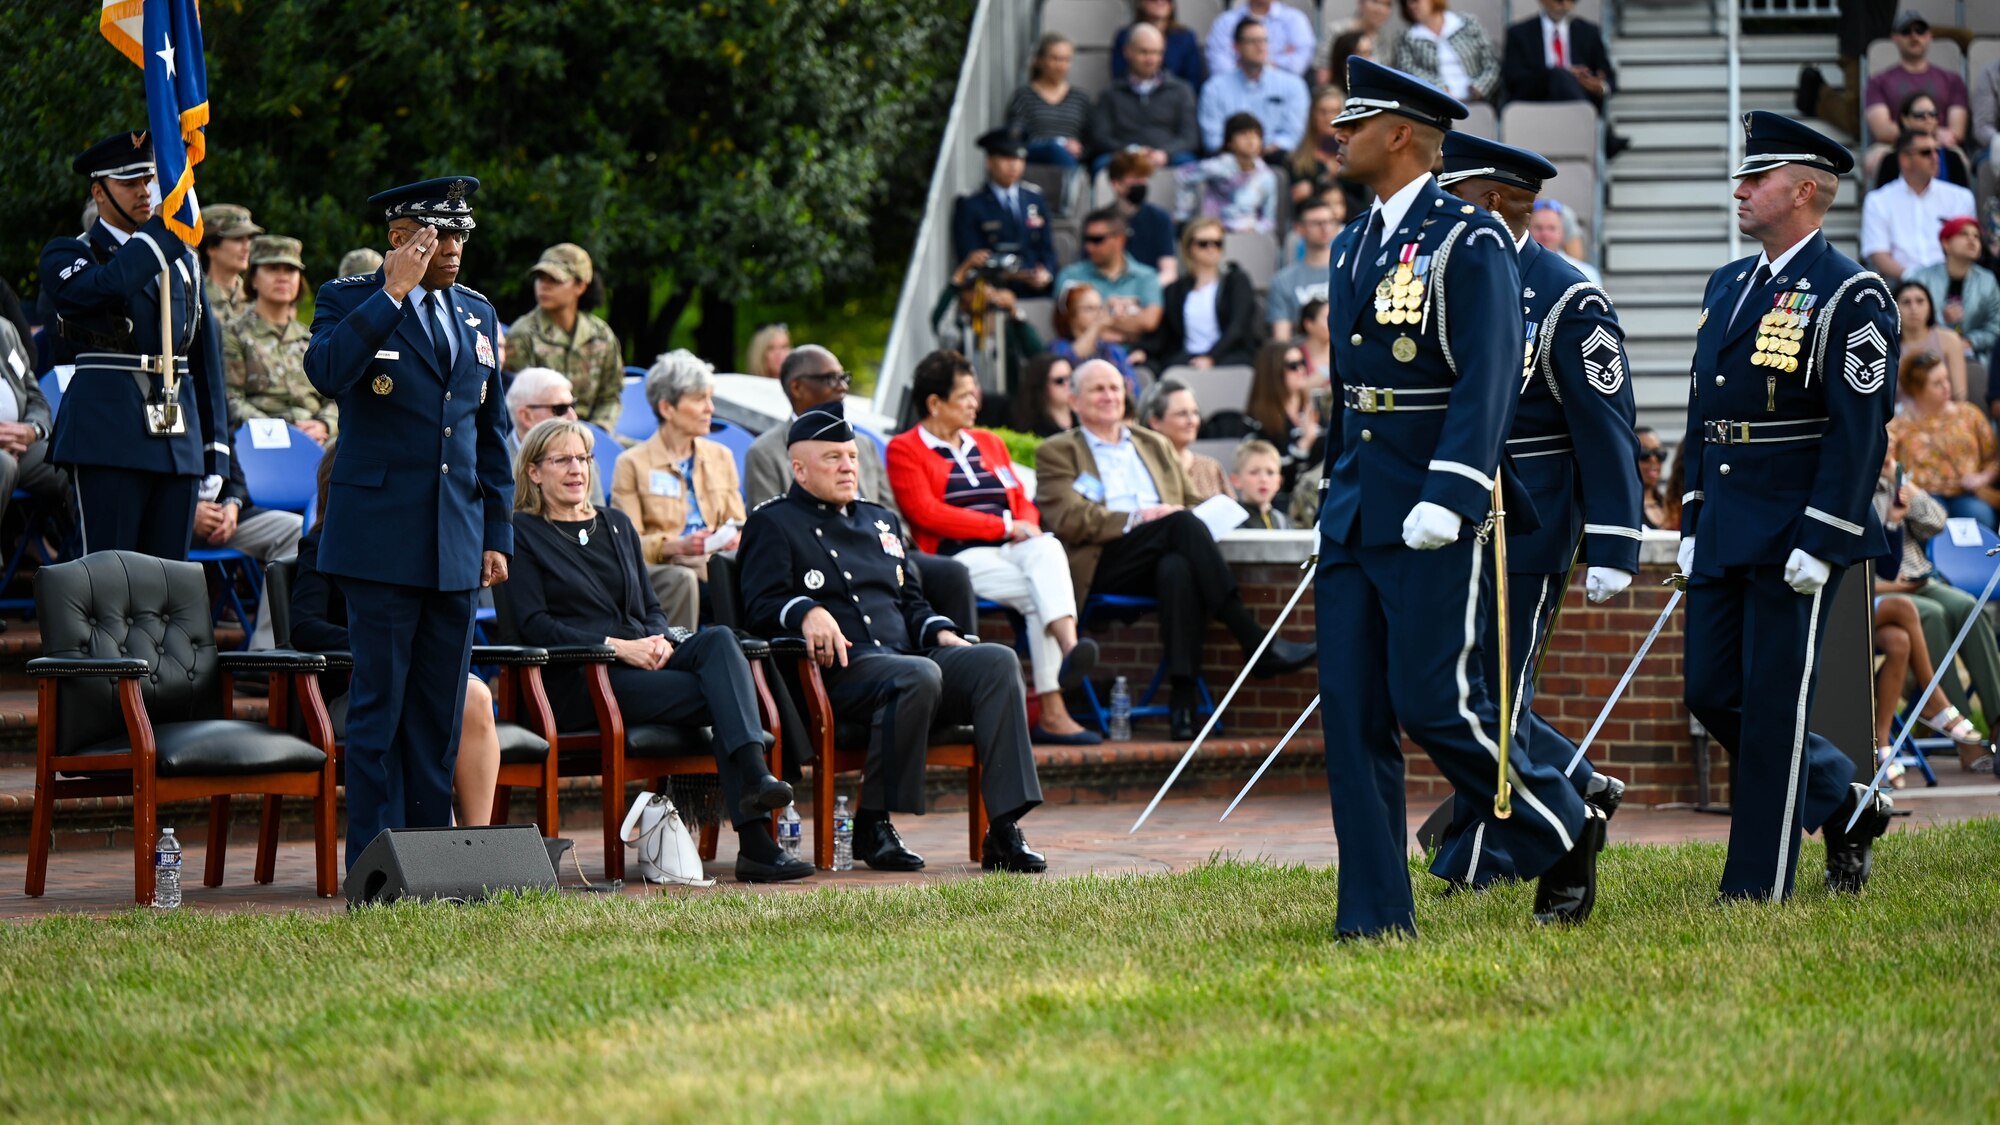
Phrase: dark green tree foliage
(732, 149)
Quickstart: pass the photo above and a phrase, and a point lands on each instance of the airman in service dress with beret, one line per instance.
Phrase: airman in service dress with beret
(1794, 359)
(420, 512)
(142, 444)
(1572, 447)
(1424, 310)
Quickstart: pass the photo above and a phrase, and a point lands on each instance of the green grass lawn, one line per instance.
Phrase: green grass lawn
(1213, 995)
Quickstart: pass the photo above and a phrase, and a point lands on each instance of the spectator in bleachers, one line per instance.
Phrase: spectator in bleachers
(1966, 293)
(1209, 315)
(1913, 73)
(1151, 237)
(1986, 147)
(1923, 333)
(1007, 216)
(559, 333)
(1558, 57)
(1652, 457)
(1184, 58)
(1303, 280)
(225, 257)
(25, 421)
(1118, 499)
(1080, 324)
(1282, 402)
(1235, 185)
(1131, 291)
(1549, 225)
(1051, 113)
(264, 350)
(1316, 340)
(1275, 98)
(1150, 110)
(963, 500)
(365, 259)
(1043, 406)
(1447, 50)
(1352, 45)
(1314, 162)
(1168, 408)
(536, 395)
(1254, 475)
(769, 345)
(1946, 446)
(1919, 114)
(1291, 32)
(679, 487)
(1900, 222)
(1357, 36)
(1906, 658)
(1860, 23)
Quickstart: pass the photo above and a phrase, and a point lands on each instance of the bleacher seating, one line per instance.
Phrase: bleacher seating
(1984, 52)
(1557, 130)
(1480, 121)
(1575, 187)
(635, 414)
(1215, 388)
(1256, 252)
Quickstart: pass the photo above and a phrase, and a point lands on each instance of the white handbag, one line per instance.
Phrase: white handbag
(661, 846)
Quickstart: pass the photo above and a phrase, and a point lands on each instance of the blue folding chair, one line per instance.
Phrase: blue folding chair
(1124, 608)
(1014, 619)
(1917, 751)
(1965, 567)
(881, 446)
(736, 439)
(606, 449)
(53, 391)
(635, 414)
(284, 478)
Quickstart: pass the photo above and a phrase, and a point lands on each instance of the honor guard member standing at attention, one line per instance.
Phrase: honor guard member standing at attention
(1572, 447)
(820, 563)
(419, 515)
(142, 445)
(1794, 358)
(1424, 307)
(1007, 215)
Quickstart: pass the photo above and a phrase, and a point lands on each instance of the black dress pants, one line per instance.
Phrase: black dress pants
(1175, 560)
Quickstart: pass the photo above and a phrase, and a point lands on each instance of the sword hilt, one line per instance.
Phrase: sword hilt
(1503, 801)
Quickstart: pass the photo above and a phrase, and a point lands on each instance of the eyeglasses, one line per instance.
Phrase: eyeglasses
(1207, 244)
(1295, 365)
(1916, 29)
(1059, 381)
(839, 379)
(1926, 153)
(1094, 239)
(555, 408)
(567, 461)
(1922, 114)
(1652, 455)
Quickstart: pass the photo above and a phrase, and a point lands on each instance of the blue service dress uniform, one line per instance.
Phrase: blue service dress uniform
(1787, 414)
(800, 552)
(421, 488)
(1572, 448)
(1422, 408)
(136, 490)
(980, 221)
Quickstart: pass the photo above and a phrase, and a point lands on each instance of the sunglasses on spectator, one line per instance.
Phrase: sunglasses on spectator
(1922, 113)
(1207, 244)
(1059, 381)
(840, 379)
(1295, 365)
(1916, 29)
(1652, 455)
(555, 408)
(1094, 239)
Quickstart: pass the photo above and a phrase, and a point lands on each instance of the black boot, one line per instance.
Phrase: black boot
(877, 844)
(1567, 892)
(1850, 855)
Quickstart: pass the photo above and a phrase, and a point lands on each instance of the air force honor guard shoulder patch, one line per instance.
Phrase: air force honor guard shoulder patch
(1866, 362)
(1603, 362)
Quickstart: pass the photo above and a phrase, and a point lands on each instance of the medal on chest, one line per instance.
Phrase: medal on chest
(1401, 292)
(892, 544)
(1528, 355)
(1781, 332)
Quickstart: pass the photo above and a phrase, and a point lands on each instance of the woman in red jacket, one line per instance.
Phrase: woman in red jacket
(957, 488)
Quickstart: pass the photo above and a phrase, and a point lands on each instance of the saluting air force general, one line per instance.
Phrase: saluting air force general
(419, 513)
(1425, 317)
(143, 440)
(1573, 449)
(1794, 355)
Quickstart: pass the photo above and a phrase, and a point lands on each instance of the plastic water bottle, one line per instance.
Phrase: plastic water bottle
(843, 836)
(788, 831)
(167, 871)
(1121, 711)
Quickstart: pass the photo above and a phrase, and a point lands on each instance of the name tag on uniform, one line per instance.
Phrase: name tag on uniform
(388, 355)
(1091, 488)
(484, 347)
(665, 484)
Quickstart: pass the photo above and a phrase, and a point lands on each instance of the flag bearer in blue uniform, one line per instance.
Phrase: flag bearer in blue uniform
(419, 516)
(1424, 309)
(1572, 446)
(142, 448)
(1794, 358)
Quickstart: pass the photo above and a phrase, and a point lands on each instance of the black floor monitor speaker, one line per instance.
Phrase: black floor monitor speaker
(460, 864)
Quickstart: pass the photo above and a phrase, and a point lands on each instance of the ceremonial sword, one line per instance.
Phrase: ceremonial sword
(1679, 583)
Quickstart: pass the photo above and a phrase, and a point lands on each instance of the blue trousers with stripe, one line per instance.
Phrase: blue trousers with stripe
(1399, 646)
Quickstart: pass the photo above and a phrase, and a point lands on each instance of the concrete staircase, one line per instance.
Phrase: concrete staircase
(1668, 211)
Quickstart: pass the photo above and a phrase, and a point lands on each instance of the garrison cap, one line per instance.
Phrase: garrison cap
(565, 261)
(228, 220)
(1467, 157)
(444, 203)
(1373, 88)
(364, 260)
(825, 422)
(276, 250)
(1004, 141)
(1771, 139)
(120, 156)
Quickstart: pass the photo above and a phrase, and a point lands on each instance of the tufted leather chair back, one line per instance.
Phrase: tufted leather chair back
(121, 603)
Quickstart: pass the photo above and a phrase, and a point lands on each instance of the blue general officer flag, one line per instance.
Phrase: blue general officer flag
(164, 38)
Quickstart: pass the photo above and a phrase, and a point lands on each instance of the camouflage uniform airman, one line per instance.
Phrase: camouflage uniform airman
(264, 363)
(590, 357)
(228, 220)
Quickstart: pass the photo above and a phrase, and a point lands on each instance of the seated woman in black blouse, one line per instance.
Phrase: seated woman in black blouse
(578, 577)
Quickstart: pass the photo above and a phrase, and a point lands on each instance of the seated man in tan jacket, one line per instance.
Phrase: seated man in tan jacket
(1117, 497)
(679, 487)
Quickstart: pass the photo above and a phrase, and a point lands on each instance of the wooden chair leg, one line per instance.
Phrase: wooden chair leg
(614, 848)
(145, 833)
(975, 814)
(823, 813)
(43, 821)
(503, 796)
(218, 841)
(705, 847)
(545, 799)
(267, 839)
(326, 836)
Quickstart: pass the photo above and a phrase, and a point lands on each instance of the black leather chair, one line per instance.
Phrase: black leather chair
(133, 696)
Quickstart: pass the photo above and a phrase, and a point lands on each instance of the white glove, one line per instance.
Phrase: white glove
(1805, 573)
(1602, 583)
(1684, 559)
(211, 487)
(1430, 526)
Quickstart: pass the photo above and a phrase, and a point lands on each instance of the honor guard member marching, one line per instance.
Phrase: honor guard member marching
(142, 444)
(1007, 216)
(1424, 298)
(1793, 360)
(820, 563)
(419, 515)
(1572, 447)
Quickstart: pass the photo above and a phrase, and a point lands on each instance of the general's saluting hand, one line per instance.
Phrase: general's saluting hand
(403, 267)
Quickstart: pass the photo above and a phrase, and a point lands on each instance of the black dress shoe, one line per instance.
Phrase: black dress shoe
(1282, 657)
(769, 793)
(1180, 722)
(1078, 665)
(877, 844)
(1604, 793)
(781, 870)
(1850, 855)
(1005, 849)
(1568, 890)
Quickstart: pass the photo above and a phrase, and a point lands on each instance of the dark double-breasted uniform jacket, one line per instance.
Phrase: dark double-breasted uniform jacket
(799, 552)
(979, 221)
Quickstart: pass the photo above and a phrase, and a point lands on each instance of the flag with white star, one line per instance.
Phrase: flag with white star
(164, 38)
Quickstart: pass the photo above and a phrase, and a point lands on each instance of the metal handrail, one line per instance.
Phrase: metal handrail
(1733, 28)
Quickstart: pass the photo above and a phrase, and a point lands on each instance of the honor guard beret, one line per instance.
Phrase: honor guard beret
(1770, 140)
(1004, 141)
(1373, 88)
(355, 262)
(1467, 157)
(120, 156)
(228, 220)
(825, 422)
(444, 203)
(565, 261)
(276, 250)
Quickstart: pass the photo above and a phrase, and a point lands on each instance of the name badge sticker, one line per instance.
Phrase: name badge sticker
(1090, 487)
(665, 484)
(1006, 478)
